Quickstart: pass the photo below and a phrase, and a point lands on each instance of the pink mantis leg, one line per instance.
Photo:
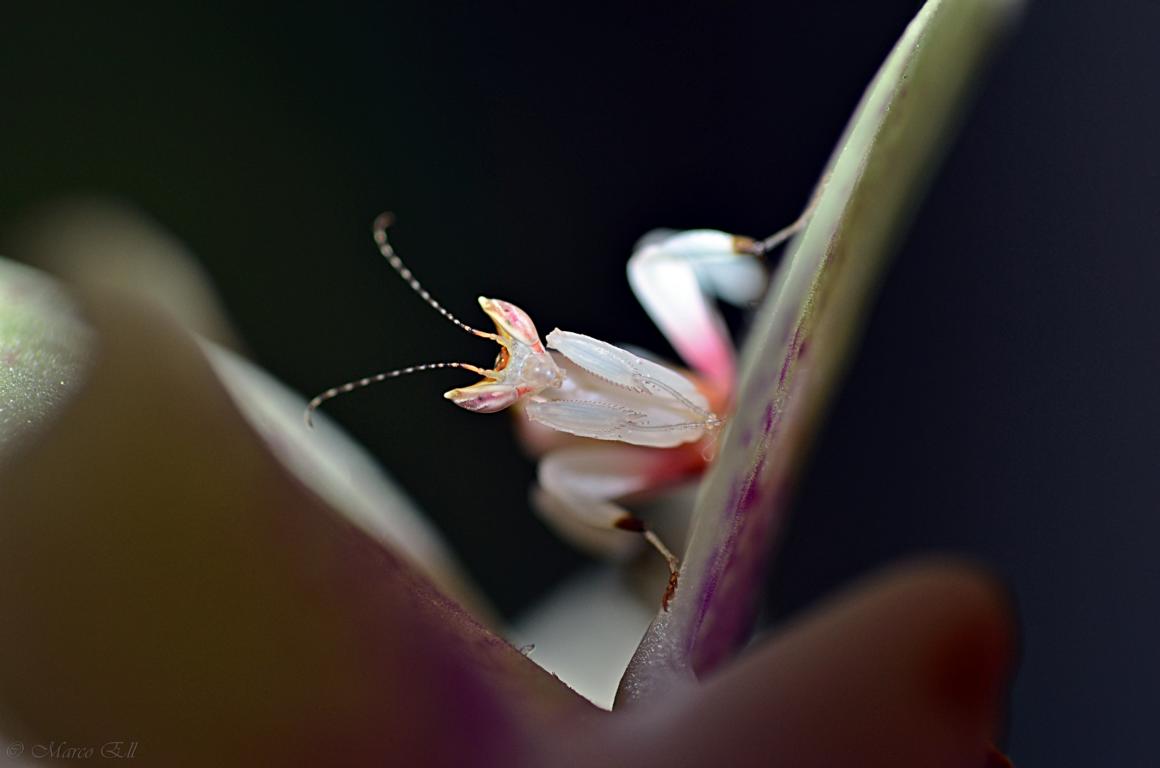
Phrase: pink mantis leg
(678, 276)
(580, 485)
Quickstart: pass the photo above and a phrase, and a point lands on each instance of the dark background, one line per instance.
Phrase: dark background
(1004, 402)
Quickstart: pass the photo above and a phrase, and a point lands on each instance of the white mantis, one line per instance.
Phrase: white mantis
(650, 420)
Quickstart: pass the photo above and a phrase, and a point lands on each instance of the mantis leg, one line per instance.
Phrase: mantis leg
(677, 277)
(579, 487)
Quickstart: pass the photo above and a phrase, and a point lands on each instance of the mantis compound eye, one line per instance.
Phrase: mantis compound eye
(502, 359)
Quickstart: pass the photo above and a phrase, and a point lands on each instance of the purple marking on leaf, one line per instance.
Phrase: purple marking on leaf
(709, 583)
(750, 497)
(748, 557)
(747, 436)
(734, 496)
(708, 589)
(791, 357)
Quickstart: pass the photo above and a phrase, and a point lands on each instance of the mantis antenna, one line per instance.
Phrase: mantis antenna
(383, 222)
(366, 381)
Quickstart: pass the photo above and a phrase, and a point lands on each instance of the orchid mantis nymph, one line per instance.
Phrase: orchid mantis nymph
(610, 422)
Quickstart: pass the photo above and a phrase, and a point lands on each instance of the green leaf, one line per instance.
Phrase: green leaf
(805, 331)
(43, 349)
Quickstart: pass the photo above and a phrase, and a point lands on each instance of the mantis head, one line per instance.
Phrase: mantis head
(523, 367)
